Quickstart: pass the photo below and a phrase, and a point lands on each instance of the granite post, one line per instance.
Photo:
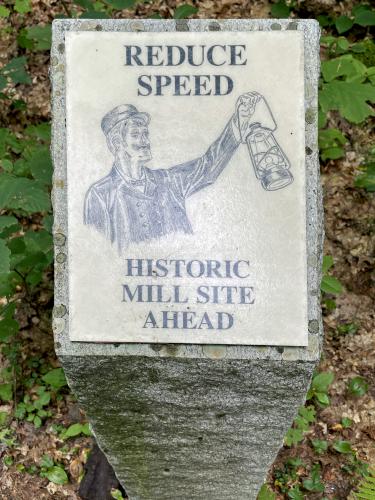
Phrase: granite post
(179, 421)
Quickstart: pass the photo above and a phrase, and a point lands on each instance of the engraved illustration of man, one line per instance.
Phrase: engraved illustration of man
(134, 203)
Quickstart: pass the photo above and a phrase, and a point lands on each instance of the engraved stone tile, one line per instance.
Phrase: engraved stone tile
(186, 187)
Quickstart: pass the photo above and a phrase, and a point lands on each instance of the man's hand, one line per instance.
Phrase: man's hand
(252, 111)
(245, 108)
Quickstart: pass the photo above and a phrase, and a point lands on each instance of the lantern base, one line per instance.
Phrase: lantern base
(277, 179)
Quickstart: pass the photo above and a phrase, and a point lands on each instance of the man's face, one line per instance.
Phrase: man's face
(136, 141)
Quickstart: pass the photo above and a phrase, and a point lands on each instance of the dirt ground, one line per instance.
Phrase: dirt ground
(349, 227)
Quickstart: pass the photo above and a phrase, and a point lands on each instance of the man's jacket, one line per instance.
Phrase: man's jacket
(124, 214)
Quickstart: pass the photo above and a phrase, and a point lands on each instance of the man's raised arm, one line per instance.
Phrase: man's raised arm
(190, 177)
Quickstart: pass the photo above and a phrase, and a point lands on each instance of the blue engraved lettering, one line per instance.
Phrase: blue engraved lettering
(150, 321)
(126, 293)
(224, 325)
(180, 82)
(210, 57)
(192, 52)
(131, 53)
(142, 82)
(219, 89)
(236, 53)
(246, 295)
(153, 55)
(170, 55)
(161, 82)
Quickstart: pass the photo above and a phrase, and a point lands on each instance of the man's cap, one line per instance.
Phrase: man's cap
(122, 113)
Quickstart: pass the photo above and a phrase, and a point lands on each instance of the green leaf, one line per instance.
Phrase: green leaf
(266, 494)
(46, 462)
(121, 4)
(116, 494)
(348, 329)
(6, 165)
(343, 23)
(367, 179)
(23, 194)
(20, 411)
(4, 12)
(295, 494)
(347, 66)
(301, 424)
(42, 131)
(3, 82)
(93, 14)
(322, 381)
(324, 21)
(73, 430)
(343, 447)
(57, 475)
(322, 119)
(37, 421)
(23, 40)
(365, 18)
(320, 446)
(48, 223)
(22, 6)
(346, 422)
(330, 141)
(55, 378)
(43, 400)
(349, 98)
(40, 165)
(314, 483)
(360, 7)
(358, 48)
(330, 284)
(38, 241)
(332, 153)
(3, 418)
(358, 386)
(86, 4)
(308, 413)
(322, 398)
(330, 304)
(342, 43)
(328, 40)
(331, 137)
(311, 485)
(6, 392)
(185, 10)
(280, 9)
(4, 257)
(8, 328)
(15, 69)
(366, 488)
(40, 36)
(7, 222)
(327, 263)
(86, 429)
(293, 436)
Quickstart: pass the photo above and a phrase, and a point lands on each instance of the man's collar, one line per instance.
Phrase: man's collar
(130, 180)
(147, 179)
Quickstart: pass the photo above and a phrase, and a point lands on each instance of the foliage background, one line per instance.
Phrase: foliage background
(44, 438)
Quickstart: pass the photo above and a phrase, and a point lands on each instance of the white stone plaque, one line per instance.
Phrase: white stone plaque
(186, 187)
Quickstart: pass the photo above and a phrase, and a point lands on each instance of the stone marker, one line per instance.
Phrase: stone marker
(188, 238)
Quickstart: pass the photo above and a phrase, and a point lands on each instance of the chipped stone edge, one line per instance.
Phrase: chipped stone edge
(314, 218)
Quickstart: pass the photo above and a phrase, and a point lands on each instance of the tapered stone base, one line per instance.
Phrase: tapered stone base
(189, 428)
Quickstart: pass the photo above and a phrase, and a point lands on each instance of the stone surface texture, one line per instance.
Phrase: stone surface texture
(188, 421)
